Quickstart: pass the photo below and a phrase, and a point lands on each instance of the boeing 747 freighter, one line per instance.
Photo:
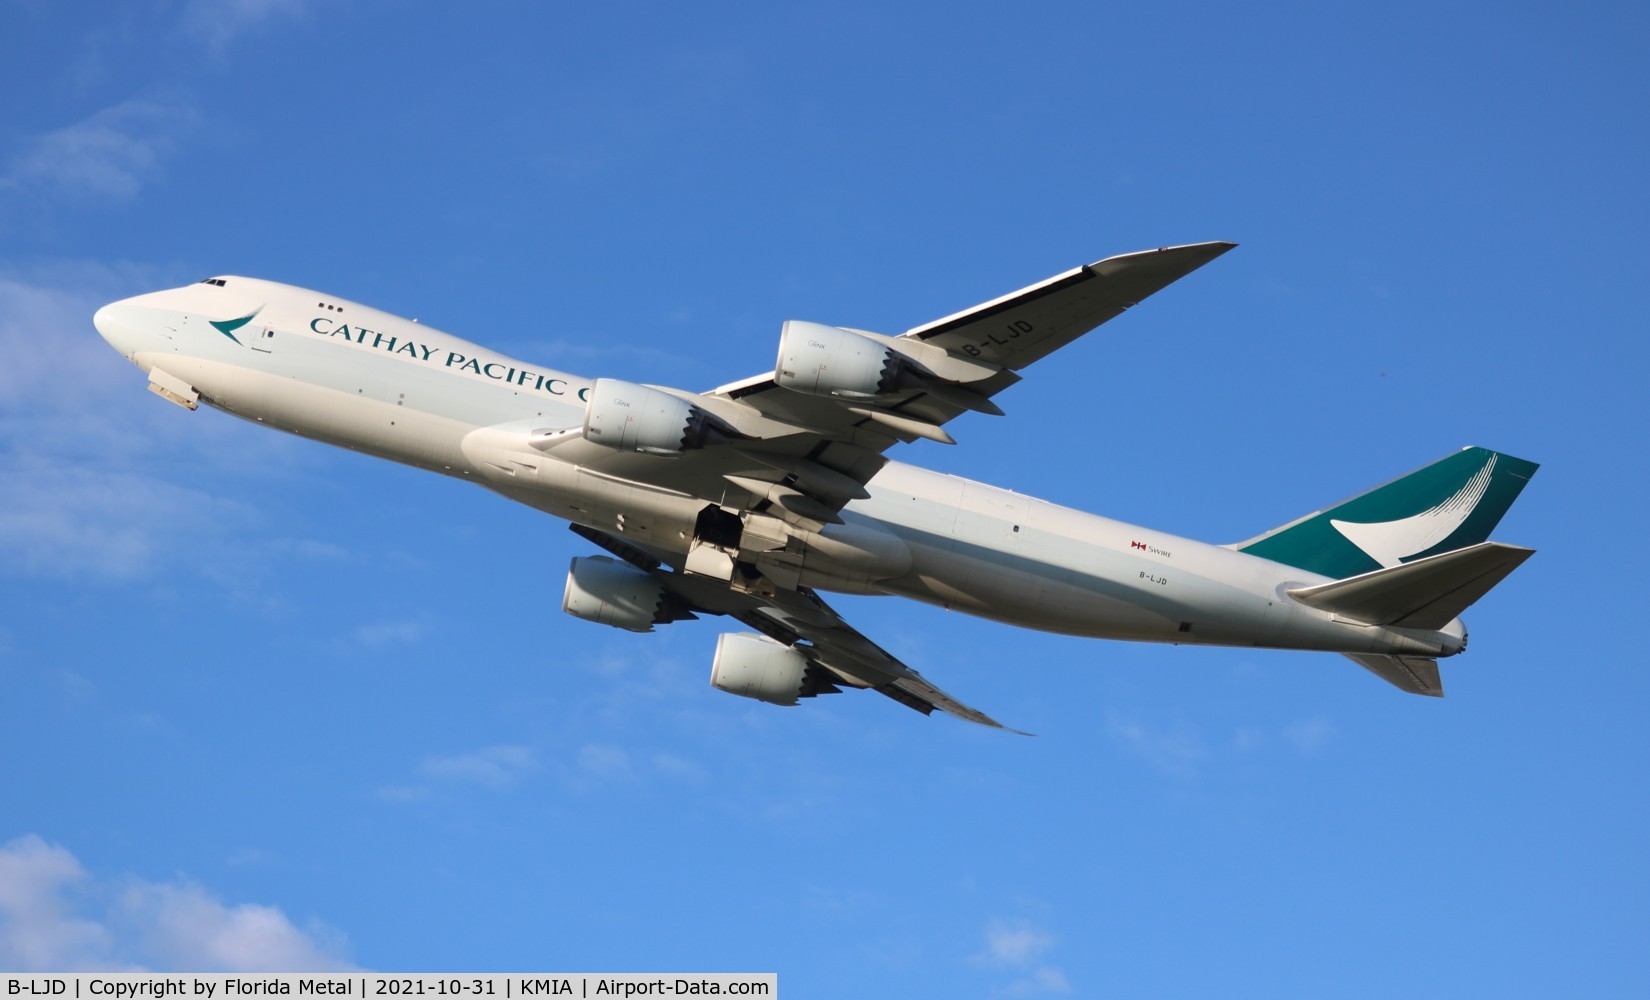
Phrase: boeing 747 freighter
(750, 499)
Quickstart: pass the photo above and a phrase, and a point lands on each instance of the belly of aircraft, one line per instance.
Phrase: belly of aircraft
(1011, 558)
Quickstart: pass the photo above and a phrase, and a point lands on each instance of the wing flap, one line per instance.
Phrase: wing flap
(915, 688)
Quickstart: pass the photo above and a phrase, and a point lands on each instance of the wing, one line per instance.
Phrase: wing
(801, 456)
(800, 619)
(978, 352)
(775, 458)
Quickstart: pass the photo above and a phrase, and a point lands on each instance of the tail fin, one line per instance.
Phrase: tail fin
(1452, 503)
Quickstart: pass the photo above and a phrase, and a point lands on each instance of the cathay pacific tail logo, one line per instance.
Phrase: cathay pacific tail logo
(1391, 542)
(227, 327)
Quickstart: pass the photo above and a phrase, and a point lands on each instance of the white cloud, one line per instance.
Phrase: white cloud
(673, 766)
(389, 633)
(1305, 737)
(109, 155)
(182, 926)
(1309, 735)
(38, 929)
(1043, 979)
(590, 767)
(494, 767)
(248, 856)
(89, 485)
(54, 916)
(217, 23)
(52, 350)
(603, 761)
(77, 520)
(1019, 946)
(1176, 750)
(1015, 942)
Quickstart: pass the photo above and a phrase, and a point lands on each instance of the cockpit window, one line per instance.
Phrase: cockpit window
(212, 281)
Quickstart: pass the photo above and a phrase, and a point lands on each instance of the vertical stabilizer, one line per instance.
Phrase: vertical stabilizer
(1452, 503)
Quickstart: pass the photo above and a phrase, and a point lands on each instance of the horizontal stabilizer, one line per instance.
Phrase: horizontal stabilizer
(1427, 593)
(1414, 674)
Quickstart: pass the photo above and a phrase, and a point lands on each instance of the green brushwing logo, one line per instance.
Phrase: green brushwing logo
(227, 327)
(1452, 503)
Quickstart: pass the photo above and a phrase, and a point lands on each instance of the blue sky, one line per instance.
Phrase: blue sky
(267, 703)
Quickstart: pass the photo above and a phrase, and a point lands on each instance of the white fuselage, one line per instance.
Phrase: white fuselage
(353, 376)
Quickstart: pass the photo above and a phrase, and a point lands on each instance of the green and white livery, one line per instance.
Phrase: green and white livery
(751, 499)
(1450, 504)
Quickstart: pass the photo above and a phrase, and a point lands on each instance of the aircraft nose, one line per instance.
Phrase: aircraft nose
(118, 325)
(104, 320)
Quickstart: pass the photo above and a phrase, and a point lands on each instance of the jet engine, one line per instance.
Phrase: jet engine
(754, 666)
(629, 417)
(825, 360)
(614, 593)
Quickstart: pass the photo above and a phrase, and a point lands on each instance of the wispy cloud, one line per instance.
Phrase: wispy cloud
(673, 766)
(114, 152)
(110, 155)
(217, 23)
(54, 916)
(47, 335)
(389, 633)
(599, 760)
(1019, 946)
(77, 521)
(492, 767)
(585, 768)
(83, 449)
(1306, 736)
(1015, 942)
(597, 765)
(1309, 735)
(1176, 749)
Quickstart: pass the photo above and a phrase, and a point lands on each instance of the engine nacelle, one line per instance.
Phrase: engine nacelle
(754, 666)
(614, 593)
(625, 416)
(825, 360)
